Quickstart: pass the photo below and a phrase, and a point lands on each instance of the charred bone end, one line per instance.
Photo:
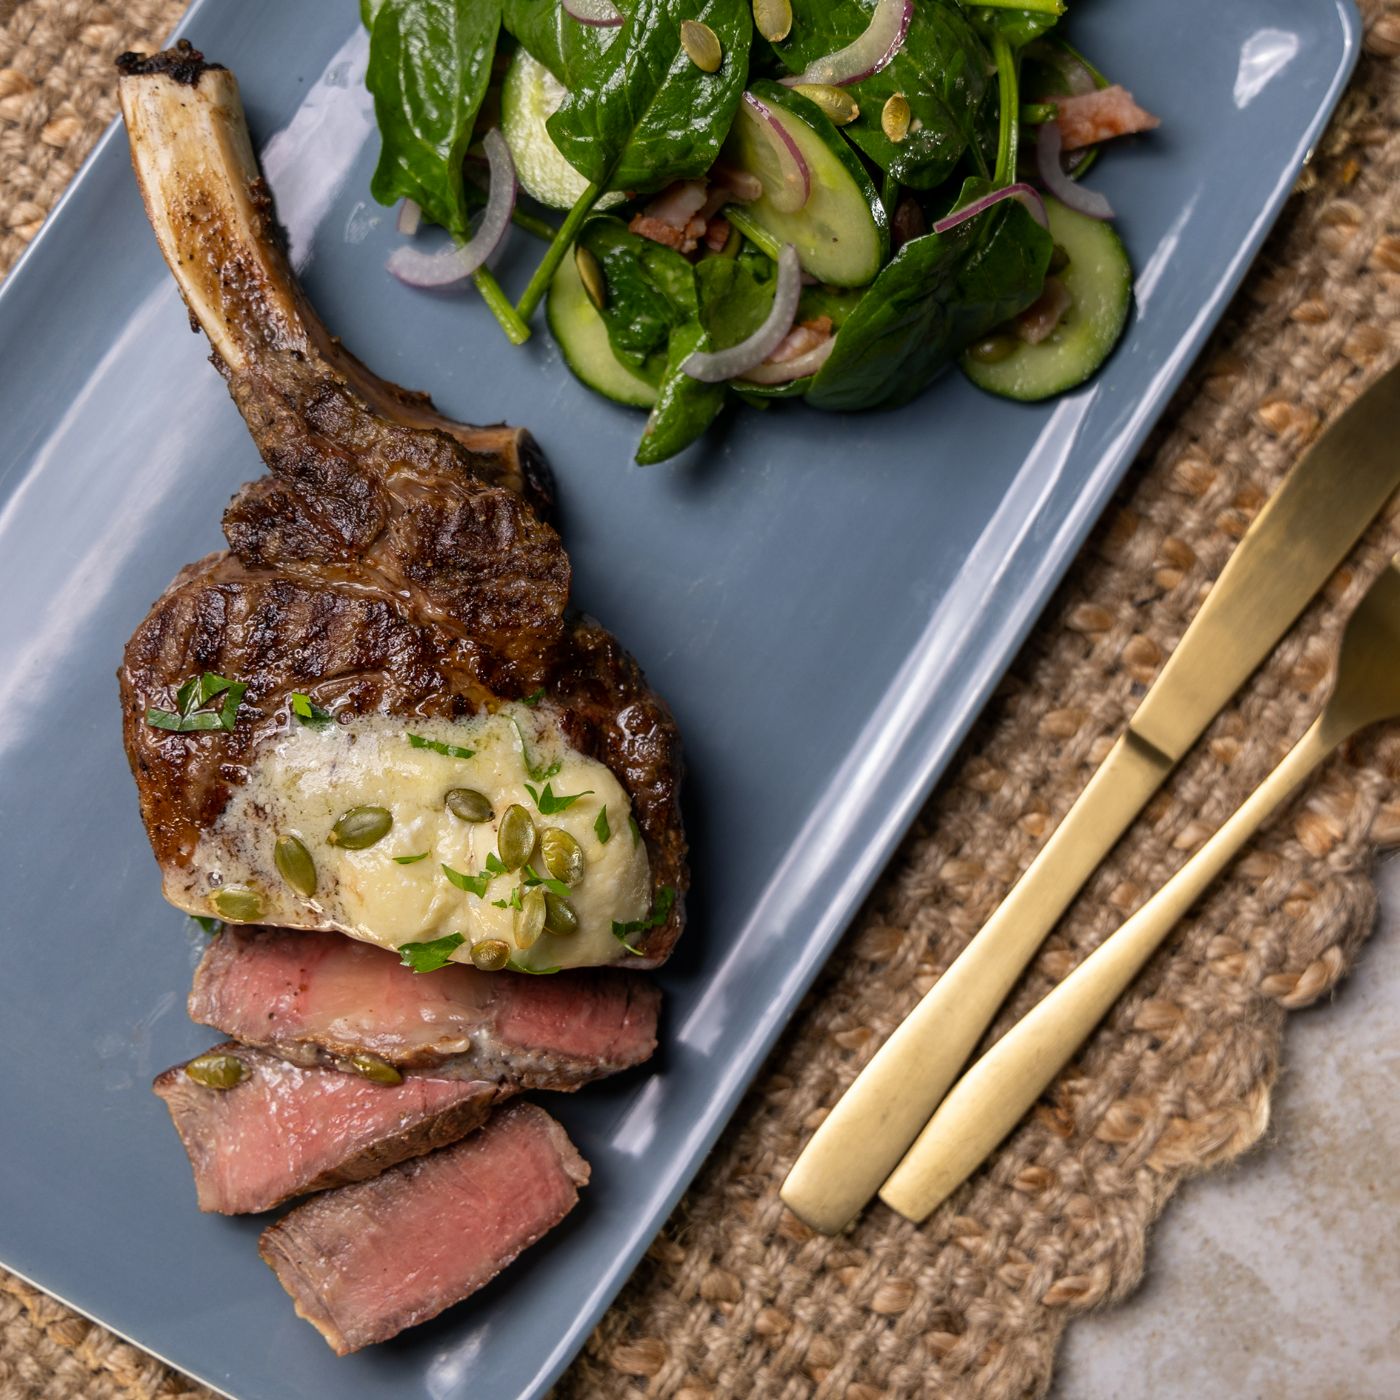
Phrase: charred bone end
(184, 63)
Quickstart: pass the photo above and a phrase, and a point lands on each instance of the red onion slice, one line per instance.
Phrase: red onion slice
(459, 261)
(715, 366)
(873, 50)
(602, 14)
(1026, 194)
(788, 370)
(1052, 175)
(784, 175)
(410, 216)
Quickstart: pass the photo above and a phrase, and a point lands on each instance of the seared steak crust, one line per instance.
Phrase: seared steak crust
(393, 562)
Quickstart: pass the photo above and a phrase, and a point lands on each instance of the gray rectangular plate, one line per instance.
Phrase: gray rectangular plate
(826, 601)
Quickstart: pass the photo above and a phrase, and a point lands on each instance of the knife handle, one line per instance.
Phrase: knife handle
(868, 1130)
(1004, 1084)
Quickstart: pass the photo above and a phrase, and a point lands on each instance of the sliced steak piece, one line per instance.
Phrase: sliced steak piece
(392, 565)
(284, 1130)
(317, 998)
(364, 1262)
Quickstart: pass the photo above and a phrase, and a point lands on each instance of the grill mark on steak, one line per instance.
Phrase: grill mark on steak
(392, 562)
(318, 998)
(366, 1261)
(286, 1130)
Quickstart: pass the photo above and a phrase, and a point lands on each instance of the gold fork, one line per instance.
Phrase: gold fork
(991, 1098)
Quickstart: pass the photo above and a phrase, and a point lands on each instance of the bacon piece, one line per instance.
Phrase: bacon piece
(285, 1130)
(316, 998)
(803, 337)
(364, 1262)
(1099, 115)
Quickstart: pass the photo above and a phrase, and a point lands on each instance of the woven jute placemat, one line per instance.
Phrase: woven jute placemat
(736, 1297)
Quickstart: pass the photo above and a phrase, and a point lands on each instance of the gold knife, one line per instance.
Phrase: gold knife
(1297, 540)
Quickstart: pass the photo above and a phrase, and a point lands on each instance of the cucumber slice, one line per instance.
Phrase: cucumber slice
(575, 323)
(1100, 279)
(841, 233)
(529, 97)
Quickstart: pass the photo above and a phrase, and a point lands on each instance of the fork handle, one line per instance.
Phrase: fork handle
(868, 1130)
(1002, 1086)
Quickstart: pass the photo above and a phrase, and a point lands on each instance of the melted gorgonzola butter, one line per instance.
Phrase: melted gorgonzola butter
(304, 780)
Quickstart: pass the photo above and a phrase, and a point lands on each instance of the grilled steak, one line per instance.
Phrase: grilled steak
(392, 563)
(364, 1262)
(318, 998)
(284, 1131)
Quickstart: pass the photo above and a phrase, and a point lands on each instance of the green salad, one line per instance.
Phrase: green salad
(827, 199)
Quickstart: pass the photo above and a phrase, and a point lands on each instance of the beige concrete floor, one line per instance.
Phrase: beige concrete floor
(1279, 1278)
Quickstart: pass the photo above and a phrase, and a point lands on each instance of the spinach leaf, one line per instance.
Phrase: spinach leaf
(651, 293)
(940, 293)
(942, 70)
(429, 64)
(1018, 27)
(550, 34)
(368, 10)
(734, 300)
(685, 407)
(640, 114)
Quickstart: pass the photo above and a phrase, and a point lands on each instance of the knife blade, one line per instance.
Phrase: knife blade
(1300, 536)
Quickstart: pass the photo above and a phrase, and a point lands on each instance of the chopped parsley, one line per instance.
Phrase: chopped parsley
(532, 878)
(429, 956)
(533, 971)
(213, 927)
(549, 802)
(412, 860)
(660, 912)
(532, 770)
(512, 903)
(449, 750)
(636, 830)
(534, 698)
(473, 884)
(494, 865)
(601, 829)
(191, 713)
(309, 713)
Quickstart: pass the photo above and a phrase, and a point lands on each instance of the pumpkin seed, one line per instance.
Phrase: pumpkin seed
(590, 273)
(529, 919)
(559, 915)
(894, 117)
(469, 804)
(372, 1067)
(563, 856)
(491, 954)
(992, 349)
(773, 19)
(361, 827)
(701, 45)
(239, 904)
(837, 103)
(295, 865)
(515, 839)
(217, 1071)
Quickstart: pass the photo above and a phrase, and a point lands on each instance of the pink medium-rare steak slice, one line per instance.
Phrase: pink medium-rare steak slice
(391, 565)
(284, 1130)
(366, 1261)
(318, 998)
